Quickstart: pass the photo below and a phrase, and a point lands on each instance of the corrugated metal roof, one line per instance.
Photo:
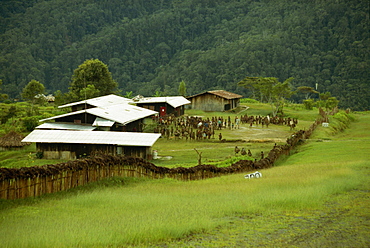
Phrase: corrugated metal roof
(121, 113)
(102, 101)
(101, 122)
(174, 101)
(221, 93)
(65, 126)
(92, 137)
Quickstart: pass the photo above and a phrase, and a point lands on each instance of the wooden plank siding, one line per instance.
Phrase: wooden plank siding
(75, 151)
(211, 102)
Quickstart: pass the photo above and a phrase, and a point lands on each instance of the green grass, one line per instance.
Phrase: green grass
(140, 211)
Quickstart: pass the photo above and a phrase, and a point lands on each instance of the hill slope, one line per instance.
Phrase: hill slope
(153, 45)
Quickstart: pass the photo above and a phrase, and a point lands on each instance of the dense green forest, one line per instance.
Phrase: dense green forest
(152, 45)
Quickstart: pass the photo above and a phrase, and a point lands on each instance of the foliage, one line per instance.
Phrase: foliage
(307, 91)
(30, 123)
(308, 104)
(7, 113)
(270, 90)
(248, 100)
(182, 88)
(33, 91)
(2, 96)
(152, 45)
(128, 94)
(91, 79)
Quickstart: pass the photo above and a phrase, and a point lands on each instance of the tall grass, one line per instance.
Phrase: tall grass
(150, 211)
(139, 212)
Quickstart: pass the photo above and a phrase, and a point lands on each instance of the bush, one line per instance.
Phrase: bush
(248, 100)
(29, 123)
(341, 122)
(308, 104)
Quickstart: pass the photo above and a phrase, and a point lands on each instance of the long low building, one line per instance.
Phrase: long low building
(65, 144)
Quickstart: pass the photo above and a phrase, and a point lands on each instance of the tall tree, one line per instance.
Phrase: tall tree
(270, 90)
(307, 91)
(32, 91)
(92, 77)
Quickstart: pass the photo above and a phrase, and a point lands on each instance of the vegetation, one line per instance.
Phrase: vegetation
(269, 90)
(143, 212)
(91, 79)
(150, 46)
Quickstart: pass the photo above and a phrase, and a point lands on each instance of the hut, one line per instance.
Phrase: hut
(215, 100)
(68, 144)
(12, 140)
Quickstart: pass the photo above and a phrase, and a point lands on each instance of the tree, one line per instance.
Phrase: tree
(270, 90)
(92, 78)
(307, 91)
(33, 91)
(2, 96)
(182, 88)
(331, 103)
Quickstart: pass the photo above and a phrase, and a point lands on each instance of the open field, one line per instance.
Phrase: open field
(317, 197)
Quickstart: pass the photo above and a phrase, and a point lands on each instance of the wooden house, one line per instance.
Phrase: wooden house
(164, 105)
(64, 144)
(215, 100)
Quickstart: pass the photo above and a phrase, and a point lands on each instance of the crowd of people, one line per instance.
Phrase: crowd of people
(199, 128)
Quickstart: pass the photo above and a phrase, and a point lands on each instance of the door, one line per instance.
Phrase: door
(162, 111)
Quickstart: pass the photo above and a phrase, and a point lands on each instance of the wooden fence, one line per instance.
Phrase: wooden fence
(38, 180)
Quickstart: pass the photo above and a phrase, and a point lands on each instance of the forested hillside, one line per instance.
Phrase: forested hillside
(152, 45)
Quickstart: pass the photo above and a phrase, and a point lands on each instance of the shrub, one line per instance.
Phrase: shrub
(248, 100)
(29, 123)
(308, 104)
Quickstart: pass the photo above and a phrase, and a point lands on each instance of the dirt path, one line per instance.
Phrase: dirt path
(343, 221)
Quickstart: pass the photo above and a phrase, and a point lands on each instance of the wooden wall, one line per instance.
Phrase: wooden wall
(209, 102)
(75, 151)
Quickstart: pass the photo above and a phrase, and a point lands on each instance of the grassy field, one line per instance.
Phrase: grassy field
(228, 211)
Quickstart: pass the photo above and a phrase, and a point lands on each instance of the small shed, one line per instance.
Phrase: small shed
(64, 144)
(215, 100)
(164, 105)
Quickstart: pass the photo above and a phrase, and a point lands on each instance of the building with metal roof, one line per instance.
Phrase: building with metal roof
(215, 100)
(121, 117)
(102, 101)
(65, 126)
(164, 105)
(64, 144)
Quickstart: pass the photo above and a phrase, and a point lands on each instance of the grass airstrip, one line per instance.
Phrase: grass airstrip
(122, 212)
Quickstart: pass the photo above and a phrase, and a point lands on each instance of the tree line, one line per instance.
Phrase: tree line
(153, 45)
